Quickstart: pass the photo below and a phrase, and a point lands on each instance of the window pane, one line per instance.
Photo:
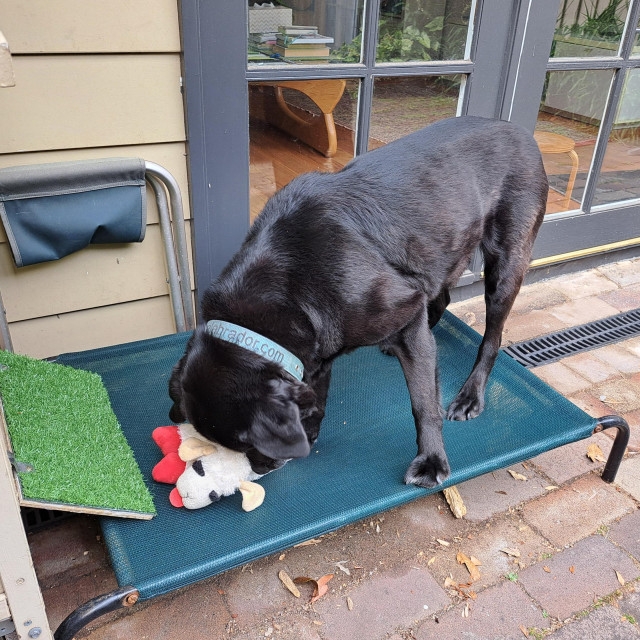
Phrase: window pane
(569, 119)
(619, 177)
(298, 126)
(635, 52)
(403, 105)
(422, 30)
(305, 32)
(589, 28)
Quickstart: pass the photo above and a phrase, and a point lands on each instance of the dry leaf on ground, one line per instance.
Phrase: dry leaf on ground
(349, 603)
(443, 542)
(472, 568)
(547, 569)
(511, 552)
(572, 569)
(620, 578)
(455, 502)
(524, 630)
(594, 453)
(309, 542)
(516, 475)
(319, 586)
(288, 582)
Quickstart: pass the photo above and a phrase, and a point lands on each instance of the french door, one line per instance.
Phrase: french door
(309, 84)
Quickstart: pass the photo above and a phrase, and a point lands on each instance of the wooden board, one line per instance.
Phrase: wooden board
(91, 328)
(75, 26)
(97, 276)
(75, 101)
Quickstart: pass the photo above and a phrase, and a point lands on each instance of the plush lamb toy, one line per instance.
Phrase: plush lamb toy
(203, 471)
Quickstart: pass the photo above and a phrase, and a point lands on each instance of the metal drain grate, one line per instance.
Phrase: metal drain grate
(554, 346)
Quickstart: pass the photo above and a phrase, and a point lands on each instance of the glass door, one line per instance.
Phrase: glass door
(588, 128)
(329, 79)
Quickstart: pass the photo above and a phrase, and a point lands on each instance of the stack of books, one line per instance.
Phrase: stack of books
(301, 42)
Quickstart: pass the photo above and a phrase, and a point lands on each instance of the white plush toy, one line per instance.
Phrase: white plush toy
(203, 471)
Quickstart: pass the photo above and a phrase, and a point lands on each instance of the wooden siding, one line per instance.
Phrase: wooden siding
(93, 80)
(78, 26)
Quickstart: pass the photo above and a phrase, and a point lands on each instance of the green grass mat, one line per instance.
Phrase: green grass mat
(60, 421)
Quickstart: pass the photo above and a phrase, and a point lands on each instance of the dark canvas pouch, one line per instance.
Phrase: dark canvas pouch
(52, 210)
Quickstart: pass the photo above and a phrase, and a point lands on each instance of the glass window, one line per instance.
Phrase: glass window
(635, 52)
(403, 105)
(420, 31)
(587, 28)
(571, 111)
(619, 177)
(298, 126)
(305, 32)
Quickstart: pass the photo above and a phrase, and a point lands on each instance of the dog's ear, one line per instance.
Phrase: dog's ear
(176, 413)
(276, 428)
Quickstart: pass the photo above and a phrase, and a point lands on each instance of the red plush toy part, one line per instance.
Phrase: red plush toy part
(171, 467)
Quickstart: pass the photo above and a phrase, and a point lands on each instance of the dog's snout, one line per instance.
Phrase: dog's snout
(213, 496)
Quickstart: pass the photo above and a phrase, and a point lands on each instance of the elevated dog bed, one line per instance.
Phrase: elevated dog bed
(355, 470)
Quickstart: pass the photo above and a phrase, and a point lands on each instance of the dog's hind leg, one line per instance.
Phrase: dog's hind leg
(415, 348)
(507, 252)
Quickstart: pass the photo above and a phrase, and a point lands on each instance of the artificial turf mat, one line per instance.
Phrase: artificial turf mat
(61, 423)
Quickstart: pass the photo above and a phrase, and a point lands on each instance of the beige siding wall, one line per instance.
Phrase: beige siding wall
(93, 80)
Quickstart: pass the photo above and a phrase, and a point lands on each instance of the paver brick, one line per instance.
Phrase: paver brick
(583, 284)
(582, 311)
(590, 367)
(617, 356)
(496, 491)
(570, 461)
(626, 533)
(487, 546)
(573, 512)
(605, 623)
(381, 604)
(623, 273)
(628, 476)
(525, 326)
(623, 299)
(497, 612)
(563, 379)
(569, 581)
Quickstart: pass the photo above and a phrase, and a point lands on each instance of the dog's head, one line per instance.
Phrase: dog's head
(237, 398)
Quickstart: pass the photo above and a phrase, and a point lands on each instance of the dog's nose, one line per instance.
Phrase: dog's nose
(213, 496)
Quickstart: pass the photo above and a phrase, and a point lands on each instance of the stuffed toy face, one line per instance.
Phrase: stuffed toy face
(203, 471)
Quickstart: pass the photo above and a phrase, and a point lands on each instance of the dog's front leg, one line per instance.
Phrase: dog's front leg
(415, 347)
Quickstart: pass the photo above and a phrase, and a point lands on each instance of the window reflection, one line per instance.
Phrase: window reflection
(304, 31)
(403, 105)
(298, 126)
(588, 28)
(571, 111)
(619, 177)
(413, 30)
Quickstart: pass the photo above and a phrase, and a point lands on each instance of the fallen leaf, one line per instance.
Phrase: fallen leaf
(594, 453)
(455, 502)
(572, 569)
(472, 568)
(472, 594)
(511, 552)
(288, 582)
(281, 557)
(524, 630)
(551, 487)
(349, 604)
(516, 475)
(431, 561)
(309, 542)
(443, 542)
(475, 561)
(503, 493)
(343, 569)
(320, 585)
(450, 583)
(620, 578)
(547, 569)
(465, 611)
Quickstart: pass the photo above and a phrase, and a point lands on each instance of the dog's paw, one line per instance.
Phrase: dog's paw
(428, 471)
(466, 406)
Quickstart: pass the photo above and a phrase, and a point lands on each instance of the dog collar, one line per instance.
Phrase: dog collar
(257, 343)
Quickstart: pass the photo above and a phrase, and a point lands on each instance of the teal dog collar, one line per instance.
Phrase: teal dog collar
(253, 341)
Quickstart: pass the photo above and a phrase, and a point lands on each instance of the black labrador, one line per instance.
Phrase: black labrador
(364, 256)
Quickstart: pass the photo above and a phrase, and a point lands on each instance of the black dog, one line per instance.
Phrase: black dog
(359, 257)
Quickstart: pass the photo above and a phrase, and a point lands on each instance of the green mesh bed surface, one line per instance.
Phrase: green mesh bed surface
(355, 469)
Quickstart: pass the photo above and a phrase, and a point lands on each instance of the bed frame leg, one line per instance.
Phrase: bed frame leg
(619, 444)
(94, 608)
